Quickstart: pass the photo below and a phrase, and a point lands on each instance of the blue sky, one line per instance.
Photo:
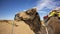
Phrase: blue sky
(45, 6)
(8, 8)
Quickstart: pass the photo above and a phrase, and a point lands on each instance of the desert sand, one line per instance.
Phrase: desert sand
(8, 28)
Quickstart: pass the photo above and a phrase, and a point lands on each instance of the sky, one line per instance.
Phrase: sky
(8, 8)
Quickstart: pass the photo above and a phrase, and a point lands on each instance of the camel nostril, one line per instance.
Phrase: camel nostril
(20, 18)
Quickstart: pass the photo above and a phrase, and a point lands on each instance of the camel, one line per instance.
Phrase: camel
(54, 24)
(30, 17)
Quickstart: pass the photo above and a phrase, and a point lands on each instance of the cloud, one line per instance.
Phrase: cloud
(50, 4)
(58, 8)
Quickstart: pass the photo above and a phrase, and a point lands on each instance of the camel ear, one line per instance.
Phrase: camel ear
(31, 11)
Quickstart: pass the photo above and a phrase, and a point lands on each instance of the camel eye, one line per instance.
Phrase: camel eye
(29, 13)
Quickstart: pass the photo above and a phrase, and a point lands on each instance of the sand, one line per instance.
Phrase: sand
(8, 28)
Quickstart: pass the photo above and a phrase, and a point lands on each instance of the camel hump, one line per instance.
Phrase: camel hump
(54, 23)
(53, 20)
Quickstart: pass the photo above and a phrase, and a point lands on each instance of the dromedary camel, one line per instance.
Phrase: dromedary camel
(30, 17)
(54, 23)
